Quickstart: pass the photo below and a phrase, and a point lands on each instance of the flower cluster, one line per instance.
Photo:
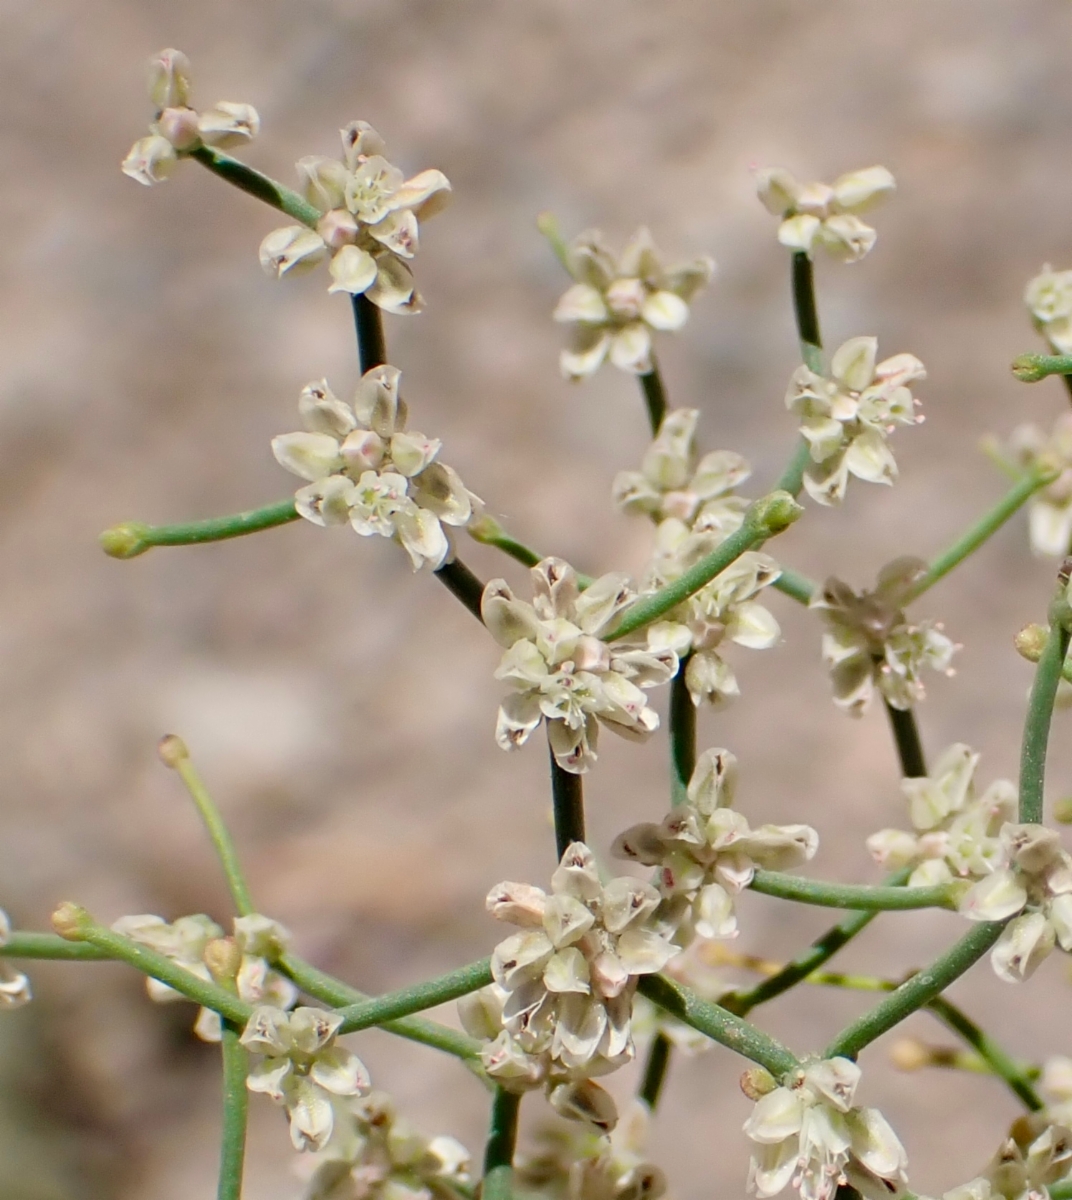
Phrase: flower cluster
(1050, 510)
(846, 418)
(177, 129)
(259, 940)
(616, 305)
(955, 832)
(375, 1155)
(707, 853)
(869, 643)
(1032, 878)
(809, 1132)
(302, 1069)
(365, 468)
(560, 671)
(369, 225)
(1049, 300)
(818, 214)
(14, 985)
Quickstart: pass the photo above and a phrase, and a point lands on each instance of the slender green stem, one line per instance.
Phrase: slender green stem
(792, 479)
(995, 1057)
(258, 185)
(174, 753)
(51, 946)
(567, 794)
(987, 525)
(1037, 724)
(132, 538)
(499, 1152)
(1030, 368)
(851, 895)
(915, 992)
(488, 532)
(906, 736)
(336, 994)
(371, 342)
(655, 1070)
(718, 1024)
(235, 1113)
(651, 384)
(682, 737)
(764, 519)
(416, 998)
(806, 311)
(462, 584)
(796, 586)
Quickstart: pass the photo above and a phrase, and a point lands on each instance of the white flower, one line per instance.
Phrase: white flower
(956, 832)
(1049, 300)
(1037, 1154)
(560, 671)
(14, 985)
(846, 418)
(302, 1068)
(615, 305)
(869, 643)
(818, 214)
(808, 1132)
(366, 469)
(1050, 509)
(1034, 880)
(370, 220)
(1055, 1086)
(707, 853)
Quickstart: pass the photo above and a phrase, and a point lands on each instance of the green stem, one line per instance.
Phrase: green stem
(851, 895)
(258, 185)
(909, 746)
(567, 794)
(1013, 500)
(1061, 1191)
(792, 479)
(1030, 368)
(371, 342)
(336, 994)
(499, 1152)
(806, 311)
(655, 1070)
(682, 737)
(133, 538)
(719, 1024)
(764, 519)
(462, 584)
(654, 396)
(915, 992)
(796, 586)
(51, 946)
(488, 532)
(1037, 724)
(547, 224)
(235, 1112)
(415, 999)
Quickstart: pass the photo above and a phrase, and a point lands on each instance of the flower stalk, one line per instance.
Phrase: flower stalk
(258, 185)
(132, 538)
(499, 1152)
(235, 1115)
(1040, 712)
(863, 897)
(365, 1013)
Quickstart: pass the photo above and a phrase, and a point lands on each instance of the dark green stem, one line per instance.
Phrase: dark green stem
(133, 538)
(567, 793)
(654, 396)
(499, 1152)
(807, 311)
(235, 1113)
(909, 746)
(851, 895)
(682, 737)
(406, 1001)
(655, 1070)
(371, 342)
(1037, 724)
(462, 584)
(258, 185)
(792, 479)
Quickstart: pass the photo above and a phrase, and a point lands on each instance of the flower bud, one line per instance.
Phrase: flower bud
(486, 530)
(179, 126)
(910, 1054)
(585, 1101)
(223, 957)
(757, 1082)
(1030, 642)
(774, 513)
(169, 79)
(70, 921)
(1029, 368)
(229, 124)
(151, 160)
(1062, 810)
(125, 541)
(362, 450)
(338, 228)
(292, 248)
(172, 750)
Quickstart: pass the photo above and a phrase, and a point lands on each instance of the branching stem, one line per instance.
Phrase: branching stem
(377, 1011)
(849, 895)
(567, 794)
(258, 185)
(235, 1114)
(499, 1152)
(1037, 724)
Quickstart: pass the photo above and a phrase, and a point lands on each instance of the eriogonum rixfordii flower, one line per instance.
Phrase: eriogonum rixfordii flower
(955, 833)
(1055, 1087)
(259, 939)
(1033, 879)
(869, 643)
(1037, 1154)
(846, 418)
(1049, 300)
(375, 1155)
(818, 214)
(369, 225)
(616, 304)
(706, 852)
(560, 671)
(14, 985)
(809, 1133)
(1050, 509)
(302, 1068)
(367, 469)
(178, 129)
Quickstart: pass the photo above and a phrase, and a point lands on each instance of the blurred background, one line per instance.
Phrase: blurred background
(343, 709)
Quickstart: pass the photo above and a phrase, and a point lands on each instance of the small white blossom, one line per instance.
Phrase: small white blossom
(14, 985)
(369, 223)
(302, 1069)
(1050, 509)
(1037, 1153)
(616, 304)
(846, 418)
(809, 1133)
(818, 214)
(1034, 880)
(707, 854)
(1049, 300)
(366, 469)
(955, 831)
(560, 671)
(1055, 1087)
(870, 644)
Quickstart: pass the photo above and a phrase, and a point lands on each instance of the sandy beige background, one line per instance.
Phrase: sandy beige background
(343, 709)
